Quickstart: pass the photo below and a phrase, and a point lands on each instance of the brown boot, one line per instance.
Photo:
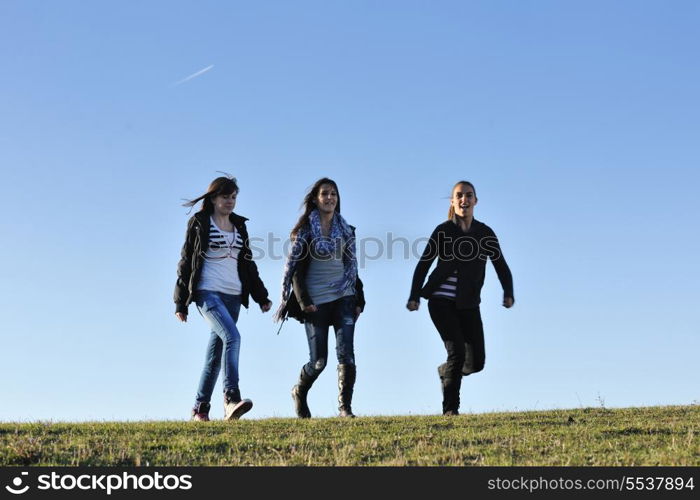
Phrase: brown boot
(299, 393)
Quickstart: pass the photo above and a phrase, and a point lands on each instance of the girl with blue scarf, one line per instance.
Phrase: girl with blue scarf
(321, 288)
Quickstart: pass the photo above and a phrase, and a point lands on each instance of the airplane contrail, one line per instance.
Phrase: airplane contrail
(194, 75)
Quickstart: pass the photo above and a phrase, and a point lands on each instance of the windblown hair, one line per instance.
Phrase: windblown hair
(309, 202)
(220, 185)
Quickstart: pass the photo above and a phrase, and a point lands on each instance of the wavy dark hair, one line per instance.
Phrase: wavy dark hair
(220, 185)
(451, 211)
(309, 202)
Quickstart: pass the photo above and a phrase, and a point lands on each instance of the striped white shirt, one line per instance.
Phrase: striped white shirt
(448, 289)
(220, 267)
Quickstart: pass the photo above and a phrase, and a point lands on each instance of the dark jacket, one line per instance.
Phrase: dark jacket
(465, 252)
(301, 298)
(189, 269)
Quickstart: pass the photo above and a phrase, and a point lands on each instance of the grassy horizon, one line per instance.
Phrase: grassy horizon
(653, 436)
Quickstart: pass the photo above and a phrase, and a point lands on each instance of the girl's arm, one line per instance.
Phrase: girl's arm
(422, 268)
(184, 270)
(257, 287)
(501, 266)
(299, 278)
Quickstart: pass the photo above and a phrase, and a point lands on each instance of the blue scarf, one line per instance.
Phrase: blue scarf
(310, 235)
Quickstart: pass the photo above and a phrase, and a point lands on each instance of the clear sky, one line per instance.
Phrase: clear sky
(578, 123)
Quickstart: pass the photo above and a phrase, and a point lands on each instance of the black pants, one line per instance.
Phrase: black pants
(460, 330)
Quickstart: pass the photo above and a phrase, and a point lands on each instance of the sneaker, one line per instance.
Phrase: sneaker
(451, 413)
(200, 412)
(234, 406)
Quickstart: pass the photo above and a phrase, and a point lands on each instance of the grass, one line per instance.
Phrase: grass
(589, 437)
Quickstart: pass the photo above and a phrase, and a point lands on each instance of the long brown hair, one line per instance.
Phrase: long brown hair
(219, 186)
(309, 202)
(451, 211)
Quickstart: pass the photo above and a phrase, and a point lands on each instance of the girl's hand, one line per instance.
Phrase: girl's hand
(181, 316)
(412, 305)
(508, 302)
(358, 311)
(310, 309)
(266, 307)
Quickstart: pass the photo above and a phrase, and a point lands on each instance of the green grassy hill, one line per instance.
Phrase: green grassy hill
(589, 436)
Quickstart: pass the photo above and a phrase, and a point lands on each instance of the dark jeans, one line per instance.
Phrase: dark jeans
(341, 315)
(463, 335)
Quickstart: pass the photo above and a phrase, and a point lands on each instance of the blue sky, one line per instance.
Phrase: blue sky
(577, 122)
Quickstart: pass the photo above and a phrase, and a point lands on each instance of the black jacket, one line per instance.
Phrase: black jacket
(301, 298)
(189, 269)
(465, 252)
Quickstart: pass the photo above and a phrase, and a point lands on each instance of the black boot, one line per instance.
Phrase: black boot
(451, 384)
(299, 393)
(346, 383)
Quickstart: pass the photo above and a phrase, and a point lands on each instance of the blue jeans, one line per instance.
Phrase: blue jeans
(341, 314)
(221, 312)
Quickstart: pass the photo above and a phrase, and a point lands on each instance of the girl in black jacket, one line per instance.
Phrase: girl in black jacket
(217, 272)
(462, 246)
(321, 289)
